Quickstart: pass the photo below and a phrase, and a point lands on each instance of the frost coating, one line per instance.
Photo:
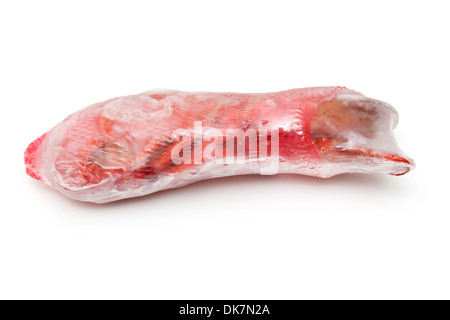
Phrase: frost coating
(125, 147)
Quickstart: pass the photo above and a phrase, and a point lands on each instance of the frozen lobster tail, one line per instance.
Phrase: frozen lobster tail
(136, 145)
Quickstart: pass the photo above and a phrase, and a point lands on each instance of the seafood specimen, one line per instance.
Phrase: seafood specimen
(135, 145)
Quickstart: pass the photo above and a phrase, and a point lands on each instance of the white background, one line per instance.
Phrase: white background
(293, 237)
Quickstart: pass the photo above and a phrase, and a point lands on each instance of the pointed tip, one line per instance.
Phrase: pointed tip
(402, 163)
